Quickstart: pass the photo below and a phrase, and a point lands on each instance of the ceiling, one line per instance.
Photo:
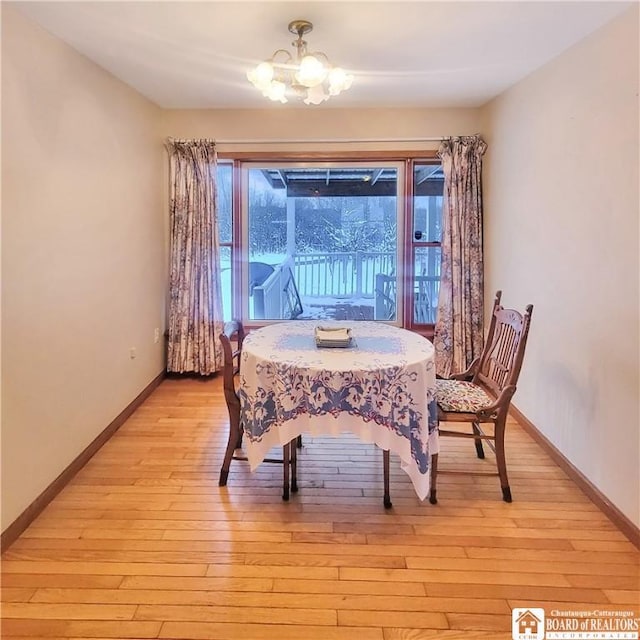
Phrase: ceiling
(184, 54)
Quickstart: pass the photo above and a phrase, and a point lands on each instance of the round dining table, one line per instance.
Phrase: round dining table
(380, 387)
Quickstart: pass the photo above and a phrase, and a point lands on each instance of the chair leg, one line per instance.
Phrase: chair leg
(294, 466)
(434, 476)
(501, 461)
(385, 469)
(478, 441)
(286, 461)
(235, 436)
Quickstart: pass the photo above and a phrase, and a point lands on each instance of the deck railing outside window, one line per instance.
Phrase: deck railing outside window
(341, 275)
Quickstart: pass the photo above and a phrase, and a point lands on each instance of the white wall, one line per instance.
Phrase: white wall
(83, 260)
(561, 232)
(309, 124)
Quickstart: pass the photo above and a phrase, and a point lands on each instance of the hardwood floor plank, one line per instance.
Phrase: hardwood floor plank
(478, 577)
(618, 596)
(104, 568)
(17, 594)
(113, 544)
(631, 583)
(588, 512)
(51, 532)
(235, 614)
(595, 522)
(166, 527)
(273, 571)
(80, 629)
(435, 620)
(549, 555)
(480, 540)
(300, 585)
(326, 560)
(64, 611)
(532, 593)
(227, 583)
(550, 605)
(579, 533)
(73, 580)
(313, 537)
(211, 631)
(404, 633)
(479, 622)
(603, 545)
(184, 596)
(523, 566)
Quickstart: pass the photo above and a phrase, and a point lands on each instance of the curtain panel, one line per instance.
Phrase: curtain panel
(195, 307)
(459, 331)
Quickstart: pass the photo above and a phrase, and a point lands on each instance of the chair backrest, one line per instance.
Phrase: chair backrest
(233, 332)
(503, 352)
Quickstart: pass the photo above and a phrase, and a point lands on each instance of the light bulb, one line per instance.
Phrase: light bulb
(311, 72)
(339, 80)
(316, 95)
(261, 76)
(276, 91)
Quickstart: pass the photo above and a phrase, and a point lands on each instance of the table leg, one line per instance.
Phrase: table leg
(385, 468)
(294, 466)
(286, 460)
(434, 478)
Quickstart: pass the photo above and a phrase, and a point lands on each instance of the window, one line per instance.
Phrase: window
(224, 189)
(330, 240)
(428, 183)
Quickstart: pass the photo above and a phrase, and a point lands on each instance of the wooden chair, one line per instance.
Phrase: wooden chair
(234, 332)
(483, 393)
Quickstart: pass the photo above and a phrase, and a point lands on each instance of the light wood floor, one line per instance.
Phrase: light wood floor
(144, 544)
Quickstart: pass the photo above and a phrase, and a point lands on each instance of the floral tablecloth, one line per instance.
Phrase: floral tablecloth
(380, 388)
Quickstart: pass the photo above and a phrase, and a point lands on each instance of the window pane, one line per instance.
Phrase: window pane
(227, 283)
(224, 193)
(427, 216)
(426, 284)
(322, 242)
(428, 183)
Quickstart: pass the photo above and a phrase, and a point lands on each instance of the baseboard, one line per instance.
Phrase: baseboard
(13, 531)
(612, 512)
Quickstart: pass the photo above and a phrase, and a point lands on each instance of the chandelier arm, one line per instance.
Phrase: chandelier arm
(288, 55)
(321, 54)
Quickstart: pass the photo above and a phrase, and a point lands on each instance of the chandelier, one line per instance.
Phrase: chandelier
(307, 74)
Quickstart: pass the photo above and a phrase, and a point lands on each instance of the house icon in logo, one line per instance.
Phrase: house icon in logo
(527, 624)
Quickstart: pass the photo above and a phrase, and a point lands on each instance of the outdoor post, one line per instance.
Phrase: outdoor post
(380, 305)
(291, 227)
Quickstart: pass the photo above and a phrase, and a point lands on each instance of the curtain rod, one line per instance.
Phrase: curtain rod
(324, 140)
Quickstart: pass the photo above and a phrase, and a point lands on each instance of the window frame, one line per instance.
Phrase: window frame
(412, 245)
(406, 159)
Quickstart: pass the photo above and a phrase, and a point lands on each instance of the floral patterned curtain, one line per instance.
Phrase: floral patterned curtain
(459, 328)
(195, 307)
